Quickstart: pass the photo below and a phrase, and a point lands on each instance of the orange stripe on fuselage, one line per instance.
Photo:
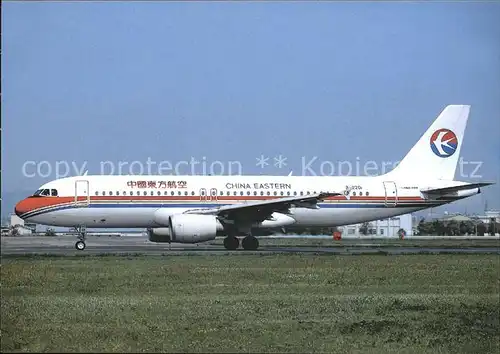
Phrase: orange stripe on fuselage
(34, 203)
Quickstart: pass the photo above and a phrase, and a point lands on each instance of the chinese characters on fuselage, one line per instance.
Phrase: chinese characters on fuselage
(183, 184)
(157, 184)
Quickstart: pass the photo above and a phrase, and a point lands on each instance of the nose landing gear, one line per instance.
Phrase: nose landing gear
(80, 245)
(82, 233)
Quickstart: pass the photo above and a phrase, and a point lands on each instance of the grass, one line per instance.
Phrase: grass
(389, 242)
(284, 303)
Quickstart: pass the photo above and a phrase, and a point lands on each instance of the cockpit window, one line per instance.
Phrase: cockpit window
(45, 192)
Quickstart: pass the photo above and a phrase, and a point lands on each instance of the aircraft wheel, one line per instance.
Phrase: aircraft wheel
(250, 243)
(231, 243)
(80, 245)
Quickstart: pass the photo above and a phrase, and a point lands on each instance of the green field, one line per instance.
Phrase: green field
(389, 242)
(251, 303)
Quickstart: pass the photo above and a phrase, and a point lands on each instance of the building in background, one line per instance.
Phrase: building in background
(385, 227)
(490, 214)
(23, 227)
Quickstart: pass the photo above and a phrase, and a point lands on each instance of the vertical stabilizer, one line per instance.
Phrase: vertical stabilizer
(435, 155)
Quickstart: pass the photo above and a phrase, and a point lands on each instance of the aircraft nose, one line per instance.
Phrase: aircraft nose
(21, 208)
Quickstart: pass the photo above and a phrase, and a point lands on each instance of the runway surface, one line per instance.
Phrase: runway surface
(64, 245)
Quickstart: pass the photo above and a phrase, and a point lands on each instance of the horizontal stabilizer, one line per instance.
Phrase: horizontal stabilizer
(463, 187)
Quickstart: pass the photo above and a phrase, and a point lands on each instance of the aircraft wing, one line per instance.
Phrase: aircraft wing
(455, 188)
(266, 207)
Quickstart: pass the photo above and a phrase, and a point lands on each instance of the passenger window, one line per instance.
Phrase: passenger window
(145, 193)
(192, 193)
(110, 193)
(186, 193)
(159, 193)
(131, 193)
(103, 193)
(138, 193)
(367, 194)
(275, 193)
(261, 192)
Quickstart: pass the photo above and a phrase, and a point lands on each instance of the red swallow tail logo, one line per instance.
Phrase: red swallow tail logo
(444, 142)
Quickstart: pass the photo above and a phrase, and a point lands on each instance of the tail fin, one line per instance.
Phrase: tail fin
(435, 155)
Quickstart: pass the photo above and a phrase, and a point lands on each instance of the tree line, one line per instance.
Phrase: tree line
(457, 228)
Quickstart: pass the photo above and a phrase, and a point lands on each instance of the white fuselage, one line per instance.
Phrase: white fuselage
(134, 201)
(190, 209)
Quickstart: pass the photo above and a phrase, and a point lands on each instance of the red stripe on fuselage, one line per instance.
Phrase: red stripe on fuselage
(33, 203)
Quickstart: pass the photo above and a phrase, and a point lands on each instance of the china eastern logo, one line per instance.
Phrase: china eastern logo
(444, 143)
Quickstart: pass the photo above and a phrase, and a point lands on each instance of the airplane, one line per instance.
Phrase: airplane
(194, 209)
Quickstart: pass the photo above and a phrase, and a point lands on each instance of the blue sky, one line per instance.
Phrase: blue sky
(87, 82)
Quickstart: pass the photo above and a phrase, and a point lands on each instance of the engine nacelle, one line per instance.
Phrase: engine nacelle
(162, 216)
(192, 228)
(159, 234)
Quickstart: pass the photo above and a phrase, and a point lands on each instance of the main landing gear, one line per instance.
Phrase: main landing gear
(82, 232)
(231, 243)
(249, 243)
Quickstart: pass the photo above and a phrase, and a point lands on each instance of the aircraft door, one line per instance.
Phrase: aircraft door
(203, 194)
(391, 193)
(213, 194)
(82, 193)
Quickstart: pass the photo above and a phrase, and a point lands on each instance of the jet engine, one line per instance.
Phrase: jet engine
(159, 234)
(192, 228)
